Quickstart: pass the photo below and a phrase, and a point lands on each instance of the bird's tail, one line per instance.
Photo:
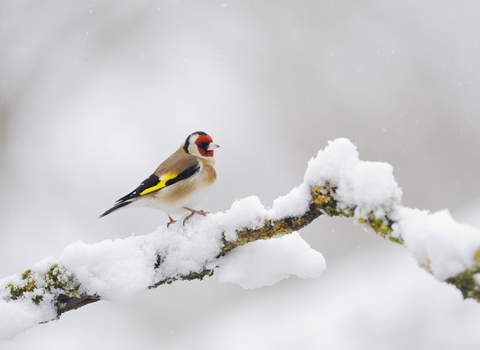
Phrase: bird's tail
(115, 207)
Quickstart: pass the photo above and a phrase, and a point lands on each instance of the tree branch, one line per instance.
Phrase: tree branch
(325, 194)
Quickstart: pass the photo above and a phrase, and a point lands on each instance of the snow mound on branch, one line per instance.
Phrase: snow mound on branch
(245, 213)
(264, 263)
(293, 204)
(16, 316)
(113, 270)
(19, 315)
(369, 186)
(438, 243)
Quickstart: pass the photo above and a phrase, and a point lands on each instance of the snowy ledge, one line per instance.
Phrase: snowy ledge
(336, 183)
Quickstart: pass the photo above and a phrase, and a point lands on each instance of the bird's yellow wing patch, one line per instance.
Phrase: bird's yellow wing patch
(161, 184)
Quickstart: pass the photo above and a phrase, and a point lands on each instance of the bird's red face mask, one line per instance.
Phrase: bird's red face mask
(205, 145)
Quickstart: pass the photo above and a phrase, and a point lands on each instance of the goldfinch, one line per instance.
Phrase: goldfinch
(179, 183)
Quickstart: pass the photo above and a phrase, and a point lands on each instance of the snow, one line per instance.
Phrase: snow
(372, 299)
(438, 242)
(114, 270)
(247, 212)
(370, 186)
(122, 268)
(293, 204)
(16, 316)
(264, 263)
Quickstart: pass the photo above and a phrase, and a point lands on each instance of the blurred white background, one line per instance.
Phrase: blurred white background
(93, 95)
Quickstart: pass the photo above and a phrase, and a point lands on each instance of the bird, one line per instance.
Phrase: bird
(179, 183)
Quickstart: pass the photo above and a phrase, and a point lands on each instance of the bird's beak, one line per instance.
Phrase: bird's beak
(212, 146)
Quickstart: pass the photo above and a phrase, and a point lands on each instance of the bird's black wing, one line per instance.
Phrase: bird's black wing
(152, 184)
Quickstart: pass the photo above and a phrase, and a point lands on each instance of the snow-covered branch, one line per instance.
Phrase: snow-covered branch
(336, 183)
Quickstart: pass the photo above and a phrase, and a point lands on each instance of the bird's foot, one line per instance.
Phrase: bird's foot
(171, 221)
(192, 213)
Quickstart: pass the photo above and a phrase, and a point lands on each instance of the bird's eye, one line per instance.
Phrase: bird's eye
(202, 144)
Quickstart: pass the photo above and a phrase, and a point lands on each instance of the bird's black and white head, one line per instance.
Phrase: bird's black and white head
(200, 144)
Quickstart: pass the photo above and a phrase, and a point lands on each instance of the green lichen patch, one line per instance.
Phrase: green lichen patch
(15, 291)
(323, 198)
(30, 285)
(57, 284)
(26, 274)
(467, 284)
(268, 230)
(427, 266)
(381, 226)
(27, 285)
(477, 257)
(37, 299)
(59, 279)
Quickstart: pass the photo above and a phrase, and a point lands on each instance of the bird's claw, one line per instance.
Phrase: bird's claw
(192, 213)
(171, 221)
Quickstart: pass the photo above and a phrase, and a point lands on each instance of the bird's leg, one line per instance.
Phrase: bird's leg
(192, 213)
(171, 221)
